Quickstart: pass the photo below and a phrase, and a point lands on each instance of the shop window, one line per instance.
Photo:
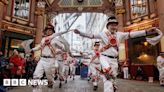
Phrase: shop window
(141, 52)
(21, 8)
(12, 44)
(138, 8)
(15, 43)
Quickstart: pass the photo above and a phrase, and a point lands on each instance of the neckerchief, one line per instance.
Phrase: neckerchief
(112, 40)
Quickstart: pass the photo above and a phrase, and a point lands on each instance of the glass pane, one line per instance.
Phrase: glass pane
(138, 8)
(141, 52)
(21, 8)
(15, 43)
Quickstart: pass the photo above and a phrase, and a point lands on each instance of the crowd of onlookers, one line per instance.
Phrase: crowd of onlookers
(16, 66)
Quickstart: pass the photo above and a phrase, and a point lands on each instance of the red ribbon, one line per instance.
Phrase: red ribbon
(112, 40)
(97, 53)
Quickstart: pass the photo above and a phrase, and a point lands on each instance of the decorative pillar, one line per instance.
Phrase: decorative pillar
(2, 5)
(31, 22)
(1, 16)
(160, 7)
(39, 28)
(119, 14)
(40, 12)
(120, 21)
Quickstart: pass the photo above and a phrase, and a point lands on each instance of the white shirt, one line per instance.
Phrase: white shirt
(55, 43)
(97, 59)
(119, 37)
(46, 51)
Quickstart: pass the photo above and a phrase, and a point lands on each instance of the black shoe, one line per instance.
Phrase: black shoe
(95, 88)
(73, 78)
(89, 78)
(60, 85)
(65, 81)
(56, 77)
(50, 86)
(115, 88)
(34, 86)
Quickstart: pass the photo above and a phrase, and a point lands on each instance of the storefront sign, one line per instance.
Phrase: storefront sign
(143, 25)
(18, 28)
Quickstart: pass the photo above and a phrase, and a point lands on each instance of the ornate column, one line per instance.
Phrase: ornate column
(40, 12)
(160, 7)
(2, 5)
(31, 22)
(119, 13)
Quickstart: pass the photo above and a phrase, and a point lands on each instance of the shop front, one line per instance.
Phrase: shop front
(142, 55)
(13, 41)
(12, 35)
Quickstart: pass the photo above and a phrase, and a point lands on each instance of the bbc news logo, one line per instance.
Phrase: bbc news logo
(24, 82)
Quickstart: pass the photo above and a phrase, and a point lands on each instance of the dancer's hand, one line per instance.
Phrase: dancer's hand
(158, 31)
(151, 31)
(76, 31)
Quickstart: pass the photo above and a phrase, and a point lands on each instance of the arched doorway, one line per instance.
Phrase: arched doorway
(52, 8)
(48, 9)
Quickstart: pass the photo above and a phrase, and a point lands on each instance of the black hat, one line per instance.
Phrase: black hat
(97, 43)
(112, 20)
(49, 26)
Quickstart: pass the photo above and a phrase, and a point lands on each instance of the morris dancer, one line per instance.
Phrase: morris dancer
(72, 66)
(125, 70)
(62, 61)
(49, 47)
(160, 65)
(95, 64)
(66, 66)
(109, 53)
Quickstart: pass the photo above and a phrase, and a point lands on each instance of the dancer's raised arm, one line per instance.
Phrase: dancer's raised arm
(91, 36)
(38, 47)
(60, 33)
(135, 34)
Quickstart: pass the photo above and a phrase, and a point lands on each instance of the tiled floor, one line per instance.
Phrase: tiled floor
(82, 85)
